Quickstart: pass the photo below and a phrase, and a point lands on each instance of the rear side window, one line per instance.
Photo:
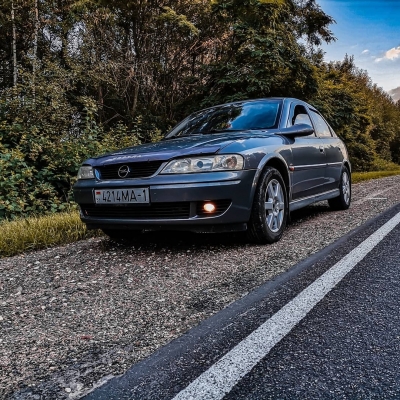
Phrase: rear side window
(321, 127)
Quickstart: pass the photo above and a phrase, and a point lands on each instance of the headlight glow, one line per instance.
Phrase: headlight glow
(226, 162)
(85, 172)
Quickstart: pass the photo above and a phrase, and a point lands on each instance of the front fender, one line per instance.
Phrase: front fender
(277, 161)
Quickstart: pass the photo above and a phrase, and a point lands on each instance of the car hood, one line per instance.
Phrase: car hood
(179, 147)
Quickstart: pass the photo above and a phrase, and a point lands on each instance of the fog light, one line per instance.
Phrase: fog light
(209, 207)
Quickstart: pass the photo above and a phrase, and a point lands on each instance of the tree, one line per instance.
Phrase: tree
(360, 112)
(259, 52)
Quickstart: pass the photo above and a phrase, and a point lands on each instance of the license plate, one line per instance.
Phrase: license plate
(122, 196)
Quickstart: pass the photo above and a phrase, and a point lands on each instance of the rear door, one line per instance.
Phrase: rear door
(333, 149)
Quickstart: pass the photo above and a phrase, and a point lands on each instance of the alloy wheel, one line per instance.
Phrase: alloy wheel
(274, 205)
(346, 187)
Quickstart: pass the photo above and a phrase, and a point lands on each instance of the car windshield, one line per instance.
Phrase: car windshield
(229, 117)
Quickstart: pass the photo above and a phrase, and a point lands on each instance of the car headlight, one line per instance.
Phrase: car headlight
(85, 172)
(226, 162)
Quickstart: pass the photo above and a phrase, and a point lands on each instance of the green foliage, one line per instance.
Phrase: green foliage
(260, 54)
(44, 139)
(169, 16)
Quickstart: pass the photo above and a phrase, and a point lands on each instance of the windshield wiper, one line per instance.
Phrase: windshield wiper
(222, 130)
(203, 133)
(182, 136)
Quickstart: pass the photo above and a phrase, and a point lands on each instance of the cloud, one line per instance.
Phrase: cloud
(395, 93)
(366, 51)
(391, 54)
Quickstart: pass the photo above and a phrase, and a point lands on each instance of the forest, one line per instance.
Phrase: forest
(83, 77)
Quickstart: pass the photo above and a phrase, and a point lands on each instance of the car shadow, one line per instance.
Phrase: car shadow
(308, 212)
(177, 241)
(183, 241)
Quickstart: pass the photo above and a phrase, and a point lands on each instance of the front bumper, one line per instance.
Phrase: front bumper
(175, 202)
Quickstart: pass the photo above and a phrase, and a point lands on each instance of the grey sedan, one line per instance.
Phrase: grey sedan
(241, 166)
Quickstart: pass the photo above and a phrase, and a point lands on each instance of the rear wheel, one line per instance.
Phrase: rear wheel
(118, 235)
(342, 202)
(270, 208)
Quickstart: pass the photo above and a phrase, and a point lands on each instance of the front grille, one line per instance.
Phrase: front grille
(136, 170)
(177, 210)
(153, 211)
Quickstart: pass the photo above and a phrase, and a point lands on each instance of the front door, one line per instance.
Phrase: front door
(309, 158)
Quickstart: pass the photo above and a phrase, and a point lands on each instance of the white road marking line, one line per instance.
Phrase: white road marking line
(372, 195)
(220, 378)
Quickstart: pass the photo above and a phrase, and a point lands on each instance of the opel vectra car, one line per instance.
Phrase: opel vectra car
(242, 166)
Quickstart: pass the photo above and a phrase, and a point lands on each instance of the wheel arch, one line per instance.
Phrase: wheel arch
(347, 165)
(280, 165)
(266, 224)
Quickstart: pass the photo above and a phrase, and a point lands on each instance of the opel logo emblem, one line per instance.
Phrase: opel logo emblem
(123, 171)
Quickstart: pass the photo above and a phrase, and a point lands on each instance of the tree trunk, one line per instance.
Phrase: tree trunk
(35, 48)
(14, 45)
(135, 98)
(100, 102)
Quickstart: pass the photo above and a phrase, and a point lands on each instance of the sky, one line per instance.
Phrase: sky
(370, 31)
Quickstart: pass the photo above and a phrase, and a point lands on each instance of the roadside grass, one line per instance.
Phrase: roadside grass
(357, 177)
(34, 233)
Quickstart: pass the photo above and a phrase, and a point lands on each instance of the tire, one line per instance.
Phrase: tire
(122, 235)
(342, 202)
(270, 208)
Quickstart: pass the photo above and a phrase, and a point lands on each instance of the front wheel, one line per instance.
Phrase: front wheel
(270, 208)
(342, 202)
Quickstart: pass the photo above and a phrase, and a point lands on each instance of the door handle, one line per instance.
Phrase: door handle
(321, 149)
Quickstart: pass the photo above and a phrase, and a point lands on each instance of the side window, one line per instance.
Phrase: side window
(321, 127)
(299, 116)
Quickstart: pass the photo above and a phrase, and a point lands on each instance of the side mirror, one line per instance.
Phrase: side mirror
(297, 130)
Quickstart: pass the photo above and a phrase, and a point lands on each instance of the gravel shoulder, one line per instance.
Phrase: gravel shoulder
(72, 317)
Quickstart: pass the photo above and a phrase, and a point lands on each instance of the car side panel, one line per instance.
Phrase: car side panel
(335, 154)
(309, 164)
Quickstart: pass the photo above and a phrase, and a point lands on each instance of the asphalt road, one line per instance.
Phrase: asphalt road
(347, 346)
